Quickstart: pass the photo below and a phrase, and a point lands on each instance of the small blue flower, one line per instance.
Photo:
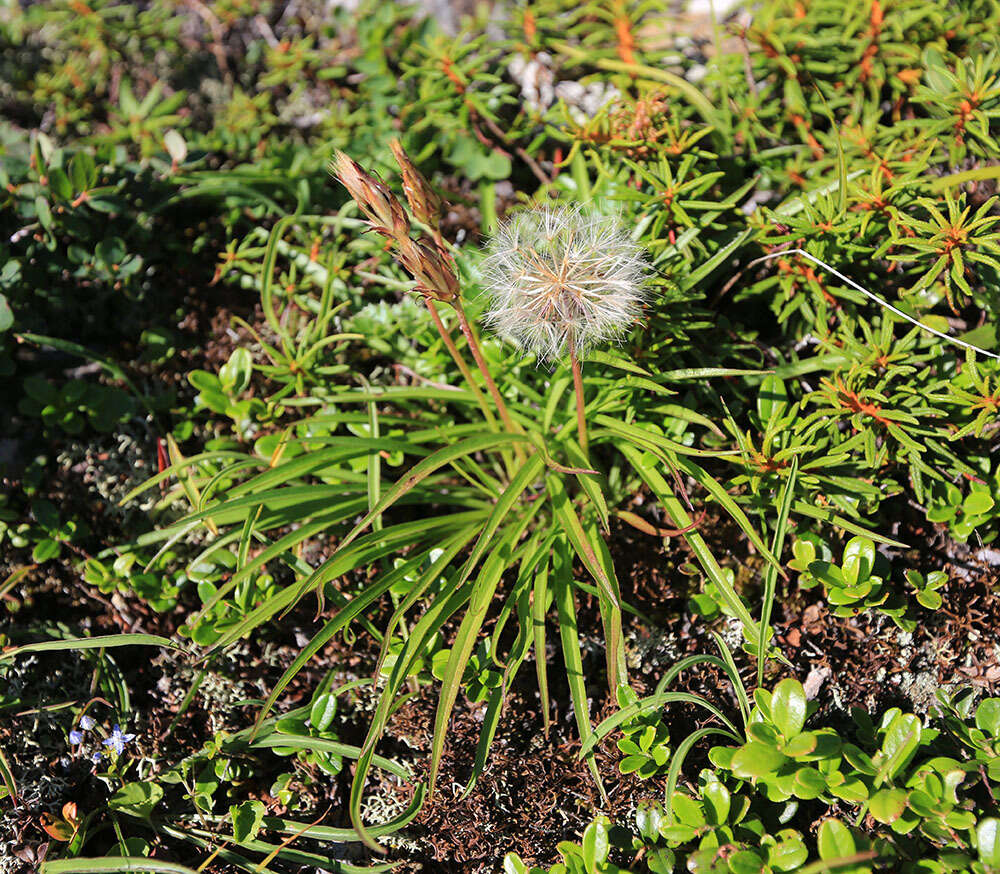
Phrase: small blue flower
(87, 723)
(117, 740)
(96, 757)
(76, 737)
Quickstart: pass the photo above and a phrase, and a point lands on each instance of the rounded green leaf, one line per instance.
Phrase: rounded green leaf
(235, 374)
(661, 861)
(246, 818)
(960, 820)
(861, 590)
(323, 710)
(204, 381)
(988, 716)
(835, 841)
(717, 802)
(929, 599)
(648, 819)
(722, 757)
(596, 846)
(6, 315)
(977, 503)
(940, 514)
(788, 854)
(135, 847)
(45, 550)
(851, 789)
(631, 764)
(136, 799)
(804, 552)
(43, 213)
(988, 841)
(687, 811)
(859, 559)
(963, 528)
(859, 760)
(828, 574)
(809, 783)
(887, 805)
(746, 862)
(827, 745)
(513, 865)
(902, 739)
(756, 759)
(800, 745)
(764, 733)
(788, 707)
(772, 399)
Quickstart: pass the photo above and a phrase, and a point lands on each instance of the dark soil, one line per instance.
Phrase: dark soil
(535, 790)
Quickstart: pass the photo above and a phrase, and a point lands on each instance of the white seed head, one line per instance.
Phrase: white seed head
(557, 275)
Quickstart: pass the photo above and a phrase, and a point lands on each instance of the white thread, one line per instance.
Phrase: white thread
(953, 340)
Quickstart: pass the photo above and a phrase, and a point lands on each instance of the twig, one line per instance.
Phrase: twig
(423, 380)
(533, 165)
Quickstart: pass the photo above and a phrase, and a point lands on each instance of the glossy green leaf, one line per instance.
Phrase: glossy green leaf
(247, 819)
(901, 742)
(137, 799)
(788, 707)
(835, 841)
(756, 759)
(988, 841)
(887, 805)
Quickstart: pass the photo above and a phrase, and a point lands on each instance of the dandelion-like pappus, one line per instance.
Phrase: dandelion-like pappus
(561, 280)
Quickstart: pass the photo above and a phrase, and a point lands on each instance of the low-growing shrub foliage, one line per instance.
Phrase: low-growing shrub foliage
(375, 341)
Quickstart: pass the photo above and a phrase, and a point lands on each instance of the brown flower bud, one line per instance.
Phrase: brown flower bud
(431, 268)
(409, 256)
(424, 202)
(436, 273)
(428, 263)
(376, 201)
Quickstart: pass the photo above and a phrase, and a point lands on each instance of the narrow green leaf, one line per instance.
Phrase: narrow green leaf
(644, 705)
(569, 637)
(675, 509)
(611, 606)
(539, 598)
(99, 642)
(111, 865)
(771, 572)
(680, 754)
(479, 602)
(8, 778)
(426, 467)
(437, 613)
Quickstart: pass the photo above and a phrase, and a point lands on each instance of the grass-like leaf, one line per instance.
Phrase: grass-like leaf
(103, 641)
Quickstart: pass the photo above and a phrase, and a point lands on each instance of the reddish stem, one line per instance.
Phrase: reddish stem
(491, 386)
(458, 358)
(581, 419)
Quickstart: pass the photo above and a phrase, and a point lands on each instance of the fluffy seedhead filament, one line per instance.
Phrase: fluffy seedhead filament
(561, 280)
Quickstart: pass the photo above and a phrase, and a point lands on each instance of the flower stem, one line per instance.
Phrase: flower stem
(459, 359)
(581, 418)
(491, 386)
